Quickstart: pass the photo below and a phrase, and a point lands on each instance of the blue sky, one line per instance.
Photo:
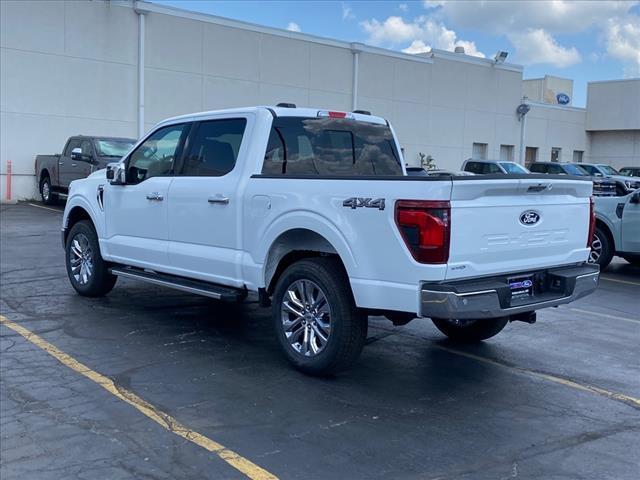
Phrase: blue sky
(582, 40)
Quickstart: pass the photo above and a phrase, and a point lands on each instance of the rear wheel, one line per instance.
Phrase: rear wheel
(88, 272)
(601, 249)
(319, 327)
(471, 330)
(48, 197)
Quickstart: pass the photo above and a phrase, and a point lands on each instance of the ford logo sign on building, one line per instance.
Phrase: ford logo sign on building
(530, 217)
(563, 99)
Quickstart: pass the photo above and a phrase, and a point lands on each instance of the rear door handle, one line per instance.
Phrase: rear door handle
(155, 196)
(74, 164)
(221, 199)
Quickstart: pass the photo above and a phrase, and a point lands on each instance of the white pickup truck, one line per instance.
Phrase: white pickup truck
(312, 212)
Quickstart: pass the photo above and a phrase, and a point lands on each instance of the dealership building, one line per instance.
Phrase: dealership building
(116, 68)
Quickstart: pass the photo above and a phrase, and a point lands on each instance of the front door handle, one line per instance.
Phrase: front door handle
(155, 196)
(60, 163)
(221, 199)
(74, 164)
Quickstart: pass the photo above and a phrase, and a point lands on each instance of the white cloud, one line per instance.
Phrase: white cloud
(623, 43)
(537, 46)
(553, 16)
(423, 33)
(403, 7)
(293, 27)
(347, 12)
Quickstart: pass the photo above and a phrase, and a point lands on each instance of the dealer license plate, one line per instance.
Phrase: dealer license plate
(521, 286)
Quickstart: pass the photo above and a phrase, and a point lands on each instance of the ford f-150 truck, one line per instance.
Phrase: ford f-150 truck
(81, 156)
(311, 211)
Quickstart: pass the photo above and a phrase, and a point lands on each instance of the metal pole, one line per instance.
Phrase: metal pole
(523, 126)
(354, 86)
(7, 191)
(141, 36)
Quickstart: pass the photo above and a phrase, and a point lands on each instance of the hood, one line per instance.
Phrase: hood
(102, 173)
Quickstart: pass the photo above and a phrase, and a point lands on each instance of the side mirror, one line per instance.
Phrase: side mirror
(635, 197)
(116, 174)
(598, 174)
(76, 154)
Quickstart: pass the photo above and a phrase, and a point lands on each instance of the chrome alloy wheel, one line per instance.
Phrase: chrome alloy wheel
(306, 317)
(46, 191)
(596, 249)
(81, 259)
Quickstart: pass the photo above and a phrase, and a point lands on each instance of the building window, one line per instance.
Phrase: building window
(479, 151)
(556, 153)
(577, 156)
(506, 153)
(530, 156)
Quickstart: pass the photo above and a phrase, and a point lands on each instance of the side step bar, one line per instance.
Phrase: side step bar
(198, 287)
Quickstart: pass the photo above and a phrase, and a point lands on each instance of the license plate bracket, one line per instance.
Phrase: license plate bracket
(521, 286)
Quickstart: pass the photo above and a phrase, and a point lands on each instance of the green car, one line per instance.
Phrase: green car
(617, 229)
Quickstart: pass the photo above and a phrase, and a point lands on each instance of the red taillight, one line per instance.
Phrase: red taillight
(337, 114)
(592, 222)
(425, 228)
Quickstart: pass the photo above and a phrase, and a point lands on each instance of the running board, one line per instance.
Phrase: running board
(198, 287)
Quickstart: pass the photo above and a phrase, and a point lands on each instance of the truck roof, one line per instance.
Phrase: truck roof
(278, 111)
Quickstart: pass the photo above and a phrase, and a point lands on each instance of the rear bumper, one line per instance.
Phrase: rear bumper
(491, 297)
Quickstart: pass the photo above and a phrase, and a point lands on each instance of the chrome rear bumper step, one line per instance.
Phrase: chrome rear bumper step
(198, 287)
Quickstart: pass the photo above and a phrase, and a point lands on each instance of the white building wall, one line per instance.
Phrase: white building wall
(613, 105)
(616, 148)
(550, 126)
(71, 67)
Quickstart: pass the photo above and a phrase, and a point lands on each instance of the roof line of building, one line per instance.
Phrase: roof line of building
(555, 107)
(143, 6)
(616, 80)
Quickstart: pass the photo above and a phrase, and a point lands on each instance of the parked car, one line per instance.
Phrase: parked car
(416, 172)
(630, 171)
(449, 173)
(602, 187)
(624, 184)
(421, 172)
(617, 230)
(311, 211)
(81, 156)
(487, 167)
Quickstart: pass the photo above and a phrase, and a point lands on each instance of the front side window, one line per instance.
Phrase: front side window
(214, 149)
(591, 170)
(73, 143)
(575, 170)
(608, 170)
(157, 155)
(330, 146)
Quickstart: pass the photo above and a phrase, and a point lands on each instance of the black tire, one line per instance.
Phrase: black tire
(348, 325)
(471, 331)
(99, 282)
(602, 248)
(46, 193)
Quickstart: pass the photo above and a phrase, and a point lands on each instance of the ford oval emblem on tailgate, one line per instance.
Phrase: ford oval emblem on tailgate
(530, 217)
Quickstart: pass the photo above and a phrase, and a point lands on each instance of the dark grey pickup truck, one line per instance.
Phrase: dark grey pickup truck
(81, 156)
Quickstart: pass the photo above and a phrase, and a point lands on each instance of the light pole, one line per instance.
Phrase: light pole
(522, 111)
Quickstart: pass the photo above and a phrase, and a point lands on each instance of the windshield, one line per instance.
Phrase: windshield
(608, 170)
(113, 148)
(511, 167)
(575, 170)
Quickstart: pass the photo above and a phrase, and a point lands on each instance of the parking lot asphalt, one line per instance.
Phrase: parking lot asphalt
(556, 400)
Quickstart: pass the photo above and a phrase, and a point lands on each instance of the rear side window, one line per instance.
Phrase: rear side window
(538, 168)
(473, 167)
(214, 148)
(330, 146)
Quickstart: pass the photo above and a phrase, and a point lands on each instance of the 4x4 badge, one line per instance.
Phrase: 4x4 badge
(357, 202)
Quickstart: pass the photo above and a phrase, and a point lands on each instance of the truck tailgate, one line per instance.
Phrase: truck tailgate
(515, 225)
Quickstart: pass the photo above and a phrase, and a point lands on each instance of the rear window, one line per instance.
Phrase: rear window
(330, 146)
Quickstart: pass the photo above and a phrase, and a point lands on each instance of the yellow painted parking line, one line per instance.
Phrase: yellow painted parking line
(45, 208)
(251, 470)
(605, 315)
(632, 401)
(626, 282)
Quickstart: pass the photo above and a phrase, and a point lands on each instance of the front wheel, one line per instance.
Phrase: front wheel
(319, 327)
(601, 249)
(471, 330)
(88, 272)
